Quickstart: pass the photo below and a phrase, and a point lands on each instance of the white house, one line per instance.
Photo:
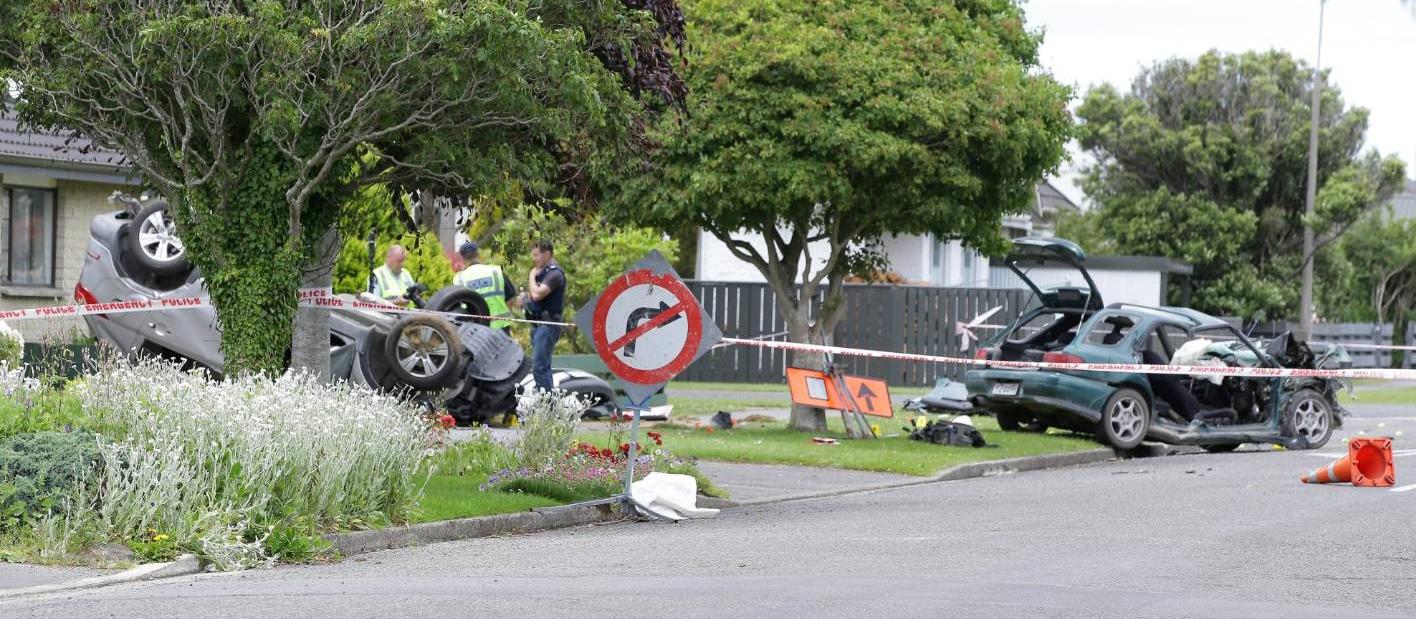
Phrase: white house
(918, 259)
(927, 261)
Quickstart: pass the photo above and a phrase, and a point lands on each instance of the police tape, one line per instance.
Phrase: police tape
(1135, 368)
(325, 299)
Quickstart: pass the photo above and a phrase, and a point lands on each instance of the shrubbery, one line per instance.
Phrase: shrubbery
(39, 470)
(220, 467)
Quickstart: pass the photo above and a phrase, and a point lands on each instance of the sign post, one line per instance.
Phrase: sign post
(647, 327)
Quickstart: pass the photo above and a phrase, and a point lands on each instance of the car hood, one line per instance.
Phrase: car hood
(1053, 269)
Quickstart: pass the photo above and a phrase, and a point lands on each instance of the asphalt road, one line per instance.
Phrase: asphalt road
(1233, 535)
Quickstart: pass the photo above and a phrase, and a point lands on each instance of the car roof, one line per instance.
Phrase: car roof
(1183, 315)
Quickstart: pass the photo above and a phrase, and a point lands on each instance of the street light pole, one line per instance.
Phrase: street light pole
(1305, 302)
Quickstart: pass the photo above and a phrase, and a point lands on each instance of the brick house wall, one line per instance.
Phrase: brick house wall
(77, 202)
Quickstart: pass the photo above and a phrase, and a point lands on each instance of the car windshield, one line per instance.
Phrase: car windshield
(1111, 331)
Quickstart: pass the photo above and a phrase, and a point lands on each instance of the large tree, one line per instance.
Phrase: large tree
(1205, 161)
(258, 119)
(1382, 254)
(820, 126)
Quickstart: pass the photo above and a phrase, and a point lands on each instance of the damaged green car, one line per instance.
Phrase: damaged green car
(1069, 324)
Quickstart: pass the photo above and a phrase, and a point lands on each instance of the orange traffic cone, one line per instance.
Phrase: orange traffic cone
(1372, 462)
(1368, 463)
(1337, 472)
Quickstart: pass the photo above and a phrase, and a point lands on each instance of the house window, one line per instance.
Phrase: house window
(31, 236)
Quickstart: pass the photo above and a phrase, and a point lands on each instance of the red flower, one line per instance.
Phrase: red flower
(624, 448)
(447, 421)
(657, 438)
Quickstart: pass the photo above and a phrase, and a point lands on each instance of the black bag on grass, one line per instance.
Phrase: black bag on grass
(942, 432)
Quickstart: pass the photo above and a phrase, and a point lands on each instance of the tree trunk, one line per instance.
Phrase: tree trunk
(805, 418)
(309, 344)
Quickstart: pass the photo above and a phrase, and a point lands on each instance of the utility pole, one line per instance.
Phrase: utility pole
(1305, 302)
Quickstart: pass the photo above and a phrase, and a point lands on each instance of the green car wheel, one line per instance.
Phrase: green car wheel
(1125, 420)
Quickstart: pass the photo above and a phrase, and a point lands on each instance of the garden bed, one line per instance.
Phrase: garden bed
(249, 472)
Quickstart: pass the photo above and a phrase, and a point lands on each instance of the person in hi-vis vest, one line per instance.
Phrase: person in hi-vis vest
(489, 281)
(392, 281)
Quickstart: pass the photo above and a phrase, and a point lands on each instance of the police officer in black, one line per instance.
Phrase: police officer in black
(545, 292)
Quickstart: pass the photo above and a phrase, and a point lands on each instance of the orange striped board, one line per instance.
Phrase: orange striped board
(816, 388)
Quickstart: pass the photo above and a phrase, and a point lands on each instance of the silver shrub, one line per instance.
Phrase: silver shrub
(185, 453)
(548, 421)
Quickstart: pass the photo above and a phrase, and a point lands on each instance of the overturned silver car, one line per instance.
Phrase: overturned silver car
(471, 369)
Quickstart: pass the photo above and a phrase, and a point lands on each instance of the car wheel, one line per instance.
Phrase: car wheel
(1223, 448)
(1308, 415)
(460, 300)
(153, 242)
(424, 352)
(1125, 419)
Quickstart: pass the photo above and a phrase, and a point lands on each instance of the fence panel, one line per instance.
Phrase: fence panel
(911, 319)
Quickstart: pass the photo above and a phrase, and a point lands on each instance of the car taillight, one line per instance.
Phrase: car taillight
(983, 353)
(82, 295)
(85, 296)
(1061, 357)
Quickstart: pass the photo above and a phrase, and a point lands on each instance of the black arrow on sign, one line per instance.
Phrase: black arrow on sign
(866, 394)
(640, 315)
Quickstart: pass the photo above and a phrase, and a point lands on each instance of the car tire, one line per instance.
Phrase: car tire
(460, 300)
(1125, 419)
(424, 352)
(1308, 414)
(1222, 448)
(153, 242)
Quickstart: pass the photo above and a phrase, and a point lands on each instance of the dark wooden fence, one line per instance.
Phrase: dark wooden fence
(910, 319)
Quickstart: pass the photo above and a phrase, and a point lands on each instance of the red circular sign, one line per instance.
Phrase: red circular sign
(687, 306)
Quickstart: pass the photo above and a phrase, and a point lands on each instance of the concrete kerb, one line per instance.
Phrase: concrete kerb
(469, 528)
(182, 566)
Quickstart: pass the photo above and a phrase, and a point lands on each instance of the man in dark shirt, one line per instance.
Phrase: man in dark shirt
(545, 291)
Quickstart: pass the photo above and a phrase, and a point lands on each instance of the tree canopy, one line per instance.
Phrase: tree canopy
(259, 118)
(822, 126)
(1205, 161)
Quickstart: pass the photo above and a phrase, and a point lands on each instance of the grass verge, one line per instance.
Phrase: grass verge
(773, 443)
(1395, 395)
(447, 497)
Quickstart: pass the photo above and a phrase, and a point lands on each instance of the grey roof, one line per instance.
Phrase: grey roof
(1050, 200)
(55, 148)
(1403, 205)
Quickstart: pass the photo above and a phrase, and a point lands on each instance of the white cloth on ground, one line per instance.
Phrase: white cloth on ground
(670, 496)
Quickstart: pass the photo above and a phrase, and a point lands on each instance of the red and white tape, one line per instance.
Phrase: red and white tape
(1138, 368)
(325, 299)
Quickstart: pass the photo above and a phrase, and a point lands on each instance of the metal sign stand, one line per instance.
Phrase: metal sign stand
(851, 412)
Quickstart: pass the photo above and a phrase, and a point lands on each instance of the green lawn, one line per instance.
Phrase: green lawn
(456, 496)
(1369, 394)
(772, 443)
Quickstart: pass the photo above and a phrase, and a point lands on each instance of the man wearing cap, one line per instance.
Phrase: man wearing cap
(392, 281)
(489, 281)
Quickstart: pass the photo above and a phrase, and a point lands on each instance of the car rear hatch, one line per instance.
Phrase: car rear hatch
(1052, 268)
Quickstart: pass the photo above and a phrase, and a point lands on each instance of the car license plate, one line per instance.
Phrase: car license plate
(1005, 388)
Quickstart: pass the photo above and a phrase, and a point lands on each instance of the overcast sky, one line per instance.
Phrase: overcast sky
(1370, 46)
